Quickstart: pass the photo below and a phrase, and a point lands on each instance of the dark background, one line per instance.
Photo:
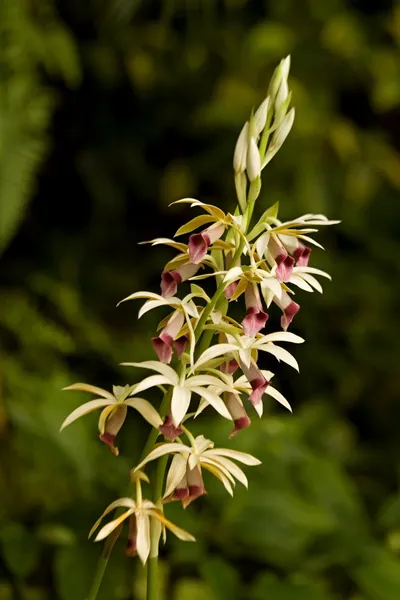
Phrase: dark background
(109, 111)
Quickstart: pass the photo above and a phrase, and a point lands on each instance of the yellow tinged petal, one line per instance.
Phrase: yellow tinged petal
(242, 457)
(234, 469)
(169, 448)
(176, 473)
(219, 475)
(143, 535)
(180, 402)
(183, 535)
(155, 365)
(147, 411)
(92, 389)
(85, 409)
(194, 224)
(107, 529)
(104, 416)
(121, 502)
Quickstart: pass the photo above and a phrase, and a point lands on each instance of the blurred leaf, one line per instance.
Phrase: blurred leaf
(20, 549)
(222, 578)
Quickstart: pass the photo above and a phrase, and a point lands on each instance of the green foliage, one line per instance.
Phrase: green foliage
(149, 105)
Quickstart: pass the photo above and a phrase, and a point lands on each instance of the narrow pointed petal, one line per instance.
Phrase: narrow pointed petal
(85, 409)
(143, 536)
(176, 473)
(162, 450)
(180, 403)
(180, 533)
(85, 387)
(121, 502)
(147, 411)
(107, 529)
(243, 457)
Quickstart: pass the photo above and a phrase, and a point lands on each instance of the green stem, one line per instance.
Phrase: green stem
(155, 531)
(102, 565)
(206, 338)
(105, 554)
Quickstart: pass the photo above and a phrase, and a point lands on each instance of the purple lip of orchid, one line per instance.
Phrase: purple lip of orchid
(231, 289)
(198, 246)
(162, 347)
(258, 385)
(108, 439)
(254, 321)
(241, 423)
(285, 264)
(302, 255)
(169, 283)
(288, 314)
(169, 430)
(180, 345)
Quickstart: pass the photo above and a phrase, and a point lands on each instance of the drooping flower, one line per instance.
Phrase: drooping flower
(114, 410)
(184, 479)
(281, 258)
(238, 413)
(200, 242)
(171, 279)
(255, 318)
(289, 309)
(164, 342)
(139, 515)
(169, 430)
(183, 388)
(257, 381)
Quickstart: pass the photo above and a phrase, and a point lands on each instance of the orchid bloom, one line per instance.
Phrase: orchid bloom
(114, 411)
(183, 388)
(184, 479)
(255, 318)
(139, 514)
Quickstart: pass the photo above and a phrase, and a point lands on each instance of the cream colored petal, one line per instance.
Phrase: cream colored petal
(280, 354)
(242, 457)
(281, 336)
(152, 381)
(216, 401)
(92, 389)
(147, 295)
(215, 462)
(300, 282)
(176, 473)
(85, 409)
(107, 529)
(202, 443)
(278, 396)
(104, 416)
(180, 533)
(121, 502)
(180, 402)
(312, 281)
(219, 475)
(143, 535)
(151, 305)
(162, 450)
(155, 365)
(233, 468)
(147, 411)
(194, 224)
(213, 352)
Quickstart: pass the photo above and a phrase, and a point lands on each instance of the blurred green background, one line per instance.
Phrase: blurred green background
(109, 110)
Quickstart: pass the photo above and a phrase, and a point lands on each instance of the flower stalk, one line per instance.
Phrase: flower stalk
(259, 265)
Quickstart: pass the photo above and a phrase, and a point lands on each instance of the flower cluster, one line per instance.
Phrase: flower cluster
(205, 358)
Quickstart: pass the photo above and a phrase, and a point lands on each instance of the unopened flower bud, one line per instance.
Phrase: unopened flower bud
(260, 117)
(253, 161)
(240, 154)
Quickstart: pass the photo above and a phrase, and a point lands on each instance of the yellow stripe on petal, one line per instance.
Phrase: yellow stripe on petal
(85, 409)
